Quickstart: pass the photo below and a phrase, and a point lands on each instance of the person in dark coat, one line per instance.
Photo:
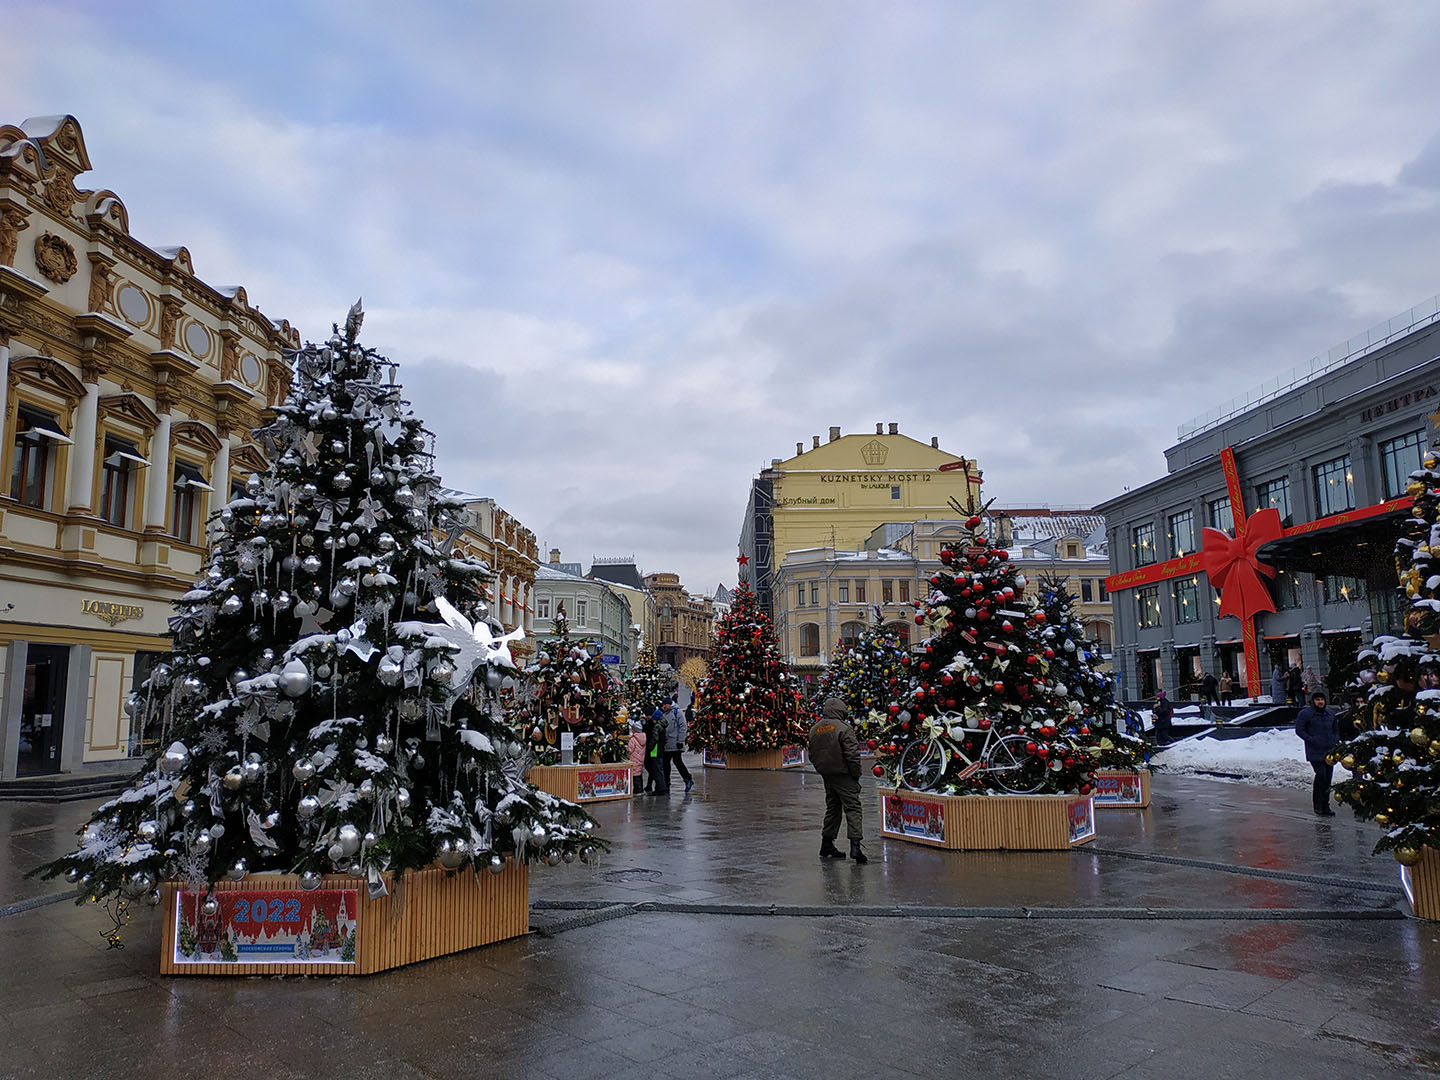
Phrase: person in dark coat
(1277, 685)
(1162, 714)
(1317, 726)
(1294, 686)
(835, 753)
(655, 783)
(1211, 686)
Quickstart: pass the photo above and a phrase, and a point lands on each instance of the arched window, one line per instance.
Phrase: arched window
(1100, 631)
(851, 631)
(809, 639)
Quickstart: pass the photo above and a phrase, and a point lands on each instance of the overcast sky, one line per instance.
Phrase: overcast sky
(627, 253)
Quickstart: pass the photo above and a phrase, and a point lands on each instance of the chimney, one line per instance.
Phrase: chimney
(880, 429)
(799, 448)
(817, 442)
(554, 556)
(834, 433)
(935, 441)
(894, 429)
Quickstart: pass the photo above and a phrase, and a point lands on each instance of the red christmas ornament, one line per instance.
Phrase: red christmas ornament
(984, 723)
(1039, 616)
(894, 710)
(1030, 748)
(999, 688)
(878, 770)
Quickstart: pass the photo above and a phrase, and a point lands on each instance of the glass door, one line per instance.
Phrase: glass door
(42, 716)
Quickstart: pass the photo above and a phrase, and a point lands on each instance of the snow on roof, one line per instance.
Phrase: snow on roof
(558, 572)
(1045, 525)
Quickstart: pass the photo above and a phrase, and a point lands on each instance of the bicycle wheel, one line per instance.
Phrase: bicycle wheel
(922, 764)
(1012, 767)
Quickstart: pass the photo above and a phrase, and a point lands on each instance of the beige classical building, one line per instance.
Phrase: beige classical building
(624, 578)
(685, 624)
(494, 536)
(128, 388)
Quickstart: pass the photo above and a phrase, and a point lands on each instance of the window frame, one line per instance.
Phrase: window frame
(1325, 477)
(1148, 597)
(1264, 497)
(843, 590)
(1215, 507)
(1183, 589)
(859, 592)
(43, 451)
(1173, 523)
(1389, 464)
(887, 591)
(1147, 529)
(809, 639)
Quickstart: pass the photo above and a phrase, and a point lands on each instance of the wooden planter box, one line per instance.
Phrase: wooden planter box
(1123, 789)
(1422, 884)
(988, 822)
(434, 913)
(583, 783)
(787, 757)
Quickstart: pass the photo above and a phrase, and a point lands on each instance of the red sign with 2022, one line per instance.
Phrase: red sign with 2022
(267, 926)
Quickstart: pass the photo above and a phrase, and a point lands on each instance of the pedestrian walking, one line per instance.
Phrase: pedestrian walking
(636, 745)
(1317, 726)
(1277, 685)
(1211, 686)
(1162, 714)
(1294, 686)
(835, 754)
(677, 728)
(654, 739)
(1227, 689)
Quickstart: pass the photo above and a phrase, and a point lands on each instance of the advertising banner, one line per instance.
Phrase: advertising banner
(267, 926)
(1082, 820)
(914, 816)
(1117, 789)
(791, 756)
(715, 757)
(603, 782)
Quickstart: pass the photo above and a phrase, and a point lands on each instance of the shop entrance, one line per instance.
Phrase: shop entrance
(42, 716)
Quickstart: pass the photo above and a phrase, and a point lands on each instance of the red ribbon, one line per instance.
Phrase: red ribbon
(1232, 566)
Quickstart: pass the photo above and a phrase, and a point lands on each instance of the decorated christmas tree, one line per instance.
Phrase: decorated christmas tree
(748, 701)
(647, 688)
(1395, 760)
(1090, 692)
(985, 709)
(570, 691)
(328, 703)
(867, 673)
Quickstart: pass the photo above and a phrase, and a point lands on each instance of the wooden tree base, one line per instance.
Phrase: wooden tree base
(1422, 884)
(1122, 789)
(988, 822)
(434, 913)
(583, 783)
(788, 757)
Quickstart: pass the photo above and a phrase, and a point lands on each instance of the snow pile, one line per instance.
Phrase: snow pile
(1274, 758)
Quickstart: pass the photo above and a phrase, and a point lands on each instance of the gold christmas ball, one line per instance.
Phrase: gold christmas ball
(1397, 757)
(1435, 746)
(1339, 797)
(1382, 676)
(1348, 761)
(1418, 737)
(1430, 462)
(1382, 819)
(1406, 855)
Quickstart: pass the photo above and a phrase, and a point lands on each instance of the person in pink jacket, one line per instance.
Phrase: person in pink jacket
(637, 759)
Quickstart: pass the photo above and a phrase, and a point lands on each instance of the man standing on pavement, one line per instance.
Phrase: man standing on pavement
(835, 753)
(677, 728)
(1318, 727)
(1211, 686)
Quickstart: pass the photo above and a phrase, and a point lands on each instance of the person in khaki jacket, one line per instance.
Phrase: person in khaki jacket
(835, 753)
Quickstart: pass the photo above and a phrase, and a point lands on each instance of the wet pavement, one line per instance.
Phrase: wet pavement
(1225, 932)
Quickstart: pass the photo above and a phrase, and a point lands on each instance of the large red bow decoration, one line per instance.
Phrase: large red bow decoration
(1233, 568)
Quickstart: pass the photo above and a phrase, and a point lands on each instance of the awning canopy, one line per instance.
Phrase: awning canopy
(1356, 548)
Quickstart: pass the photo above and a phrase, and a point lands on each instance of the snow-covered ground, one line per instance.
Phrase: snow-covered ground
(1274, 758)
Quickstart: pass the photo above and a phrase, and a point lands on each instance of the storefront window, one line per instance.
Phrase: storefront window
(1334, 487)
(1276, 493)
(1142, 540)
(1343, 589)
(1182, 534)
(1398, 459)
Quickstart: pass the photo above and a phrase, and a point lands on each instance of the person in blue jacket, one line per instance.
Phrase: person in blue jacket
(1317, 726)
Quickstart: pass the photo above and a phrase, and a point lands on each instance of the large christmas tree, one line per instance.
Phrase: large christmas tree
(982, 689)
(1395, 762)
(1090, 697)
(571, 691)
(867, 673)
(647, 688)
(328, 704)
(748, 701)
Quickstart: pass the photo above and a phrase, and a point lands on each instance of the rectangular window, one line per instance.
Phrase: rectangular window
(1104, 596)
(800, 595)
(1182, 534)
(1275, 493)
(1334, 487)
(859, 592)
(844, 587)
(36, 435)
(1187, 601)
(186, 503)
(814, 593)
(1398, 459)
(582, 612)
(1142, 540)
(1343, 589)
(118, 472)
(894, 491)
(1220, 514)
(1147, 602)
(542, 607)
(904, 592)
(887, 591)
(1087, 593)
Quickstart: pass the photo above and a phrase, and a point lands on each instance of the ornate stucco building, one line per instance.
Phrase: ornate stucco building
(684, 624)
(497, 537)
(128, 389)
(834, 494)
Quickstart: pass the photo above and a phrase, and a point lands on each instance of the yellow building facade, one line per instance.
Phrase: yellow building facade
(128, 389)
(497, 538)
(835, 493)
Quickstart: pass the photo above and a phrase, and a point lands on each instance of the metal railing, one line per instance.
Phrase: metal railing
(1379, 335)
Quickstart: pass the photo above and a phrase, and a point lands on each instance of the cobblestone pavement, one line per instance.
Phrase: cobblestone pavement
(1225, 932)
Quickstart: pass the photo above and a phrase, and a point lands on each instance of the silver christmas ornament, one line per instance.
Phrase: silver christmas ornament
(323, 671)
(311, 564)
(367, 789)
(191, 685)
(303, 770)
(340, 482)
(346, 585)
(211, 907)
(568, 855)
(187, 808)
(587, 854)
(231, 605)
(148, 830)
(252, 771)
(72, 875)
(294, 678)
(338, 599)
(217, 830)
(377, 477)
(336, 853)
(353, 539)
(552, 858)
(132, 705)
(496, 864)
(233, 778)
(238, 870)
(356, 869)
(450, 854)
(369, 841)
(175, 760)
(384, 744)
(538, 835)
(309, 881)
(385, 542)
(289, 564)
(201, 844)
(349, 839)
(402, 799)
(307, 807)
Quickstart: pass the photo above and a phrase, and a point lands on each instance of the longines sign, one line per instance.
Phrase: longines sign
(110, 611)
